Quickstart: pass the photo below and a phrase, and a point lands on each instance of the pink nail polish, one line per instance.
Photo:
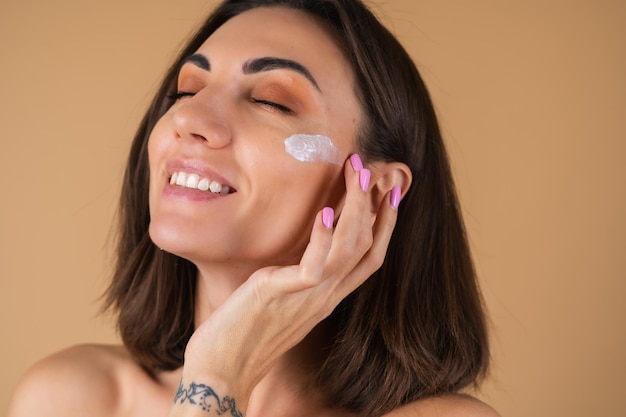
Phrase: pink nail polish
(355, 160)
(328, 217)
(394, 198)
(364, 178)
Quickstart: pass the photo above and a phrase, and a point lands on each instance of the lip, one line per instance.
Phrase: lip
(194, 167)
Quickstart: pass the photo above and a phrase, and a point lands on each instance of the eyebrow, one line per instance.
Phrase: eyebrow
(198, 60)
(268, 64)
(257, 65)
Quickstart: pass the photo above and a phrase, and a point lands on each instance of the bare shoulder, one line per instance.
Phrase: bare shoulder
(82, 380)
(451, 405)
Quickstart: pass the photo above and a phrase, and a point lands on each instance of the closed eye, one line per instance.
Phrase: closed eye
(272, 105)
(180, 94)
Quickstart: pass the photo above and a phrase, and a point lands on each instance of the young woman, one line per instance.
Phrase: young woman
(265, 264)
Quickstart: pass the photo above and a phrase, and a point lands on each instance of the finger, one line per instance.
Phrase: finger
(384, 225)
(353, 234)
(353, 179)
(313, 260)
(309, 272)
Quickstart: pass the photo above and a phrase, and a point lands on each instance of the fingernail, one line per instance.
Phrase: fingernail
(328, 217)
(364, 178)
(394, 198)
(355, 160)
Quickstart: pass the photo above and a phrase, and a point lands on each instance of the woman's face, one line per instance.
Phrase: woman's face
(262, 77)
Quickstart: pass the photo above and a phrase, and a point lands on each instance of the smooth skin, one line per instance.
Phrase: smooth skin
(274, 273)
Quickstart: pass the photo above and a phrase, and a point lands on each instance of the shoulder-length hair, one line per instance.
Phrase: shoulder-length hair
(416, 328)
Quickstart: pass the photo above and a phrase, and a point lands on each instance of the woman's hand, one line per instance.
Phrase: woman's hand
(278, 306)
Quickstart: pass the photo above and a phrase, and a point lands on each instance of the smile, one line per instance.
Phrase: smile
(194, 181)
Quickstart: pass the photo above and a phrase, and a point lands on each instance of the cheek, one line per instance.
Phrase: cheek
(156, 141)
(158, 145)
(318, 163)
(312, 148)
(312, 171)
(161, 140)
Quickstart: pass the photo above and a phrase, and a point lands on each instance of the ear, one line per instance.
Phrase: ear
(385, 176)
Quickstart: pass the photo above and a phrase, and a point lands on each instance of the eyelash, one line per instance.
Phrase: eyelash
(180, 94)
(274, 106)
(271, 104)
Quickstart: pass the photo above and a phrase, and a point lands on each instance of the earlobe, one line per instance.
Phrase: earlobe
(386, 175)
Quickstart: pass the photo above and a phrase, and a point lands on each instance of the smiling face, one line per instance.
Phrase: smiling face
(223, 187)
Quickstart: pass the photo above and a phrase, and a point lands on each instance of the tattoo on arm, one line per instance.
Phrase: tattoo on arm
(203, 396)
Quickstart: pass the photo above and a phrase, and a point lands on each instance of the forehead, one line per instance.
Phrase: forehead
(283, 33)
(291, 28)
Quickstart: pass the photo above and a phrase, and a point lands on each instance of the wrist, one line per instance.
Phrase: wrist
(208, 396)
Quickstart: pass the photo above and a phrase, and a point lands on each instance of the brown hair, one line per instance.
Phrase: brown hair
(416, 328)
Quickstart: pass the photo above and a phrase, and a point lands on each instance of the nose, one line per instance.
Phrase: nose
(200, 118)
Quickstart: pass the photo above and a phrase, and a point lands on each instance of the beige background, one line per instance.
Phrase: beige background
(531, 97)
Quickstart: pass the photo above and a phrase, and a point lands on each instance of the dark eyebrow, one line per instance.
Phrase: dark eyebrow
(198, 60)
(269, 63)
(257, 65)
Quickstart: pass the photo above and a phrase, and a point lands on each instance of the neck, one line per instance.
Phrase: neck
(290, 388)
(212, 289)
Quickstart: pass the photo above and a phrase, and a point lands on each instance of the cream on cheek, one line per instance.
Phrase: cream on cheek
(312, 148)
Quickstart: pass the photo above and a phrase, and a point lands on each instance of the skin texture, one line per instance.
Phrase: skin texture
(269, 269)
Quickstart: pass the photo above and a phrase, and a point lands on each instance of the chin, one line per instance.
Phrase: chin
(174, 239)
(194, 244)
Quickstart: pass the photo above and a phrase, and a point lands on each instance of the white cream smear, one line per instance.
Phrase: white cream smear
(312, 148)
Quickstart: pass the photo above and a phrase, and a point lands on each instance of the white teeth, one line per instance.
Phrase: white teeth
(215, 187)
(203, 185)
(194, 181)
